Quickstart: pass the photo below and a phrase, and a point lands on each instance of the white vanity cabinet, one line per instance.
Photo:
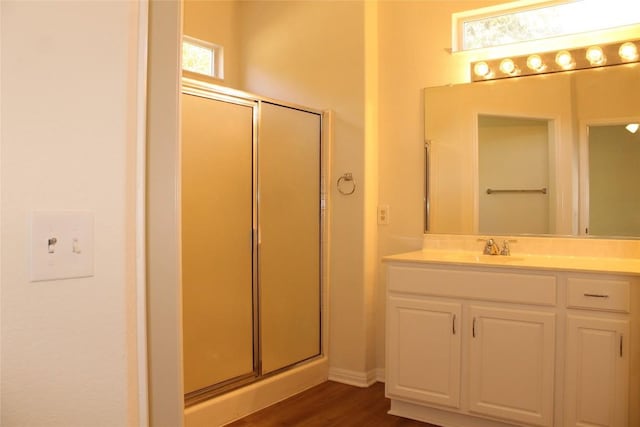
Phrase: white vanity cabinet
(488, 346)
(478, 342)
(597, 352)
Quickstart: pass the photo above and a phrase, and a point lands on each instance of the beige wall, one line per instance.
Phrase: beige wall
(67, 118)
(368, 62)
(216, 22)
(312, 53)
(68, 115)
(414, 40)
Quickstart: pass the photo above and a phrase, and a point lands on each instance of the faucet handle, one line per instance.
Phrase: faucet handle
(505, 248)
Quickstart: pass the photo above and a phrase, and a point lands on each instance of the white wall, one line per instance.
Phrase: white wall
(164, 294)
(68, 85)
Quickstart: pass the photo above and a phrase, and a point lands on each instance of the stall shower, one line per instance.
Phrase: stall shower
(251, 220)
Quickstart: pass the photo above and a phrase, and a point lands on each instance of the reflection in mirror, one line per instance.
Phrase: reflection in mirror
(470, 129)
(513, 171)
(613, 178)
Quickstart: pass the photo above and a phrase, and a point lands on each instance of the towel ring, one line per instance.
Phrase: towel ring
(347, 177)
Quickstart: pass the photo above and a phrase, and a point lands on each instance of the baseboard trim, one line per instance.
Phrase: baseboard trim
(251, 398)
(355, 378)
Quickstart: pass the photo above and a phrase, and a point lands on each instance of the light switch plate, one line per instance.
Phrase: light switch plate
(61, 245)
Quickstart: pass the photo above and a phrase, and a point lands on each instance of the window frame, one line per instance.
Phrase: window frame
(459, 19)
(217, 54)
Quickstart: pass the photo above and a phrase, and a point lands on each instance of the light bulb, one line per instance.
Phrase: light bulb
(628, 52)
(481, 69)
(632, 127)
(595, 56)
(507, 66)
(565, 60)
(534, 62)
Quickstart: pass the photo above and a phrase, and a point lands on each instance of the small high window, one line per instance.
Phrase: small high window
(523, 21)
(202, 57)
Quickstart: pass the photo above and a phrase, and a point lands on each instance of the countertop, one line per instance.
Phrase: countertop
(628, 266)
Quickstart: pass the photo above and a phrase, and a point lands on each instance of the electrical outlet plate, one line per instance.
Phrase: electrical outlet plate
(383, 214)
(61, 245)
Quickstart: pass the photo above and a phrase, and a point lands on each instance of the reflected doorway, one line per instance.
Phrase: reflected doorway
(513, 175)
(610, 173)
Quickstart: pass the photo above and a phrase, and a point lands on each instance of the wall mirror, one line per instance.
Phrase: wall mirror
(541, 155)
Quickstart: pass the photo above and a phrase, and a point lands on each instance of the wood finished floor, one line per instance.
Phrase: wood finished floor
(330, 404)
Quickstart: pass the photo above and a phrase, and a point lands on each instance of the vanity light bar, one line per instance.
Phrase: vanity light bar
(552, 62)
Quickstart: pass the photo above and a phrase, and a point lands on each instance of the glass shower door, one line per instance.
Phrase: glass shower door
(289, 216)
(217, 241)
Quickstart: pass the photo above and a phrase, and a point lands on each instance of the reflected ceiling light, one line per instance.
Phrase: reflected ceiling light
(632, 127)
(481, 69)
(628, 52)
(616, 53)
(596, 56)
(507, 66)
(564, 59)
(535, 63)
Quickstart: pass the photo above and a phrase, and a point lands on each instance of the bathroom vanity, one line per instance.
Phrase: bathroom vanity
(488, 341)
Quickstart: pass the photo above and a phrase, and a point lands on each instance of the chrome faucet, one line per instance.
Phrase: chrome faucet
(491, 248)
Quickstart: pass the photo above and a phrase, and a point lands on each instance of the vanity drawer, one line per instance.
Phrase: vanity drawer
(598, 294)
(524, 288)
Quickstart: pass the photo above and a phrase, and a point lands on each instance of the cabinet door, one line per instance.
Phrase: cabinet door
(597, 369)
(423, 351)
(512, 364)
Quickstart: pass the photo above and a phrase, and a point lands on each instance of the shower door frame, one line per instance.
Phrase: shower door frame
(234, 382)
(214, 92)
